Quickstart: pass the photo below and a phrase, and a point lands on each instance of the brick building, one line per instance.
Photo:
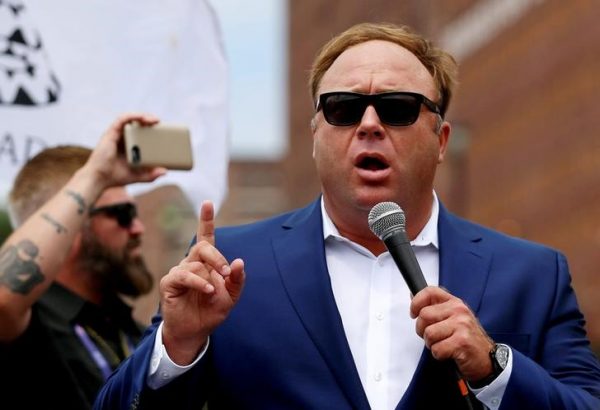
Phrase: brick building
(525, 155)
(525, 149)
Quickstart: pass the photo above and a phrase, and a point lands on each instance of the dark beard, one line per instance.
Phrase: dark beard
(116, 272)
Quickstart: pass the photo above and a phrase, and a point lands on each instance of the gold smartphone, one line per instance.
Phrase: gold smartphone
(160, 145)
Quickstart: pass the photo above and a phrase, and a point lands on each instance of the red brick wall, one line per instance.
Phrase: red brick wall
(527, 103)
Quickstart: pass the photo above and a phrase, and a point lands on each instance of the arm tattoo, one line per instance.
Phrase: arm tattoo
(18, 269)
(59, 228)
(79, 199)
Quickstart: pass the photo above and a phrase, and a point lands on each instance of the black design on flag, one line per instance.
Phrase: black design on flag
(25, 75)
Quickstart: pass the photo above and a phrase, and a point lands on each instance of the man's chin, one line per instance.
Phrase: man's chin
(135, 253)
(368, 197)
(137, 280)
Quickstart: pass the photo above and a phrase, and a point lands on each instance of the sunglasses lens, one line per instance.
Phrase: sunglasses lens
(126, 214)
(343, 109)
(398, 109)
(393, 108)
(123, 213)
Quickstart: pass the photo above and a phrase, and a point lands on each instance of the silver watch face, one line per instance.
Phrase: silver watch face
(502, 352)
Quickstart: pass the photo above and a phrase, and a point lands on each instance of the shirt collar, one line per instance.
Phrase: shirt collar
(427, 236)
(429, 233)
(70, 306)
(62, 301)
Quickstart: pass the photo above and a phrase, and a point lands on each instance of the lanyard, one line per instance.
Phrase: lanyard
(93, 350)
(95, 353)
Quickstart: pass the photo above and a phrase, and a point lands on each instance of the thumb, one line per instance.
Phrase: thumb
(234, 283)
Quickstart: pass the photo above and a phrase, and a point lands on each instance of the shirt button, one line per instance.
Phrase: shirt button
(379, 316)
(377, 377)
(495, 401)
(164, 375)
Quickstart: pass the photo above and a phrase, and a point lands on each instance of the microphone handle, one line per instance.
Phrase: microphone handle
(401, 250)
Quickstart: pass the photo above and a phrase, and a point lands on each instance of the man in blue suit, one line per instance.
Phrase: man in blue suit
(313, 313)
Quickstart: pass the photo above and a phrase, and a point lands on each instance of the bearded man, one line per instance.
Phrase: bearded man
(74, 251)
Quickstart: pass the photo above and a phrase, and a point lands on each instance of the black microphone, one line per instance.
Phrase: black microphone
(387, 222)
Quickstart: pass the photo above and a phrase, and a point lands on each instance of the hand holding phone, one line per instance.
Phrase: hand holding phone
(160, 145)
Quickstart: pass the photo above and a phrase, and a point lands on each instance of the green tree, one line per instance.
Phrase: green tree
(5, 228)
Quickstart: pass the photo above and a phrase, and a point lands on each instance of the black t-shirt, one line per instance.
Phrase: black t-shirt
(49, 366)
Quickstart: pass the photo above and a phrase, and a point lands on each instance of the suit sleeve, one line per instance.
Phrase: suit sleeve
(127, 389)
(565, 373)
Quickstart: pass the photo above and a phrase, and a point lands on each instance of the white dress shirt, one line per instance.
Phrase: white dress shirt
(373, 301)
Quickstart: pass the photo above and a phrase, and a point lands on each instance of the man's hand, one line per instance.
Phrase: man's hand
(107, 163)
(44, 241)
(198, 294)
(451, 331)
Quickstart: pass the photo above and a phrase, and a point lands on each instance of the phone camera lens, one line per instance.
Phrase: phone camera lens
(135, 154)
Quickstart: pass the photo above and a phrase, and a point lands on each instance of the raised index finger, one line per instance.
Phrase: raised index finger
(206, 223)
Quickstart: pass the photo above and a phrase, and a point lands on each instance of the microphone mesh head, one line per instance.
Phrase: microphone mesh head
(385, 218)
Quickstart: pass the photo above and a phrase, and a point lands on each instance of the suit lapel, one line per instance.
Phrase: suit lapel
(464, 260)
(300, 255)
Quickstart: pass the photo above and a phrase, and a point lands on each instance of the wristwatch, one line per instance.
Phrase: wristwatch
(499, 356)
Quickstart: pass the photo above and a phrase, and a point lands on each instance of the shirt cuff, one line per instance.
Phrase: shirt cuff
(492, 394)
(162, 369)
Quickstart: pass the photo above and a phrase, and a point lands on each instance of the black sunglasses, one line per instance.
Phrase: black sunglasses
(124, 213)
(393, 108)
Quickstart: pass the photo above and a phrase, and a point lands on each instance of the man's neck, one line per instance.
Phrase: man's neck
(346, 223)
(359, 232)
(82, 284)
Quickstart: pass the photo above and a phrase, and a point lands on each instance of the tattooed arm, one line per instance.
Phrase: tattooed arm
(31, 258)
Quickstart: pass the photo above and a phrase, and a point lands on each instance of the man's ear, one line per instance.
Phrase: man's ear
(313, 129)
(444, 138)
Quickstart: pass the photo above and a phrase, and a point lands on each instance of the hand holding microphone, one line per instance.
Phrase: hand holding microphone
(387, 222)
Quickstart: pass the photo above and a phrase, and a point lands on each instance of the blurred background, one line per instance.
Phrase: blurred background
(525, 150)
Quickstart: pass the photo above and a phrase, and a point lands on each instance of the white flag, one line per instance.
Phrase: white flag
(68, 68)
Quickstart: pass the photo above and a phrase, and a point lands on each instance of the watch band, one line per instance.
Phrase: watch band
(499, 357)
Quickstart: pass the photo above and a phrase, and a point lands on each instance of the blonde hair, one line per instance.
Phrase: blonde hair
(41, 178)
(440, 64)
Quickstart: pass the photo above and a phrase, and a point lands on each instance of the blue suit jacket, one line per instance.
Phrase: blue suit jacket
(283, 345)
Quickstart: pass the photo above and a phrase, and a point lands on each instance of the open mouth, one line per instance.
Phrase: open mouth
(371, 162)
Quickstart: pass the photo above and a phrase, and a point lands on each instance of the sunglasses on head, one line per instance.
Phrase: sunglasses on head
(398, 108)
(124, 213)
